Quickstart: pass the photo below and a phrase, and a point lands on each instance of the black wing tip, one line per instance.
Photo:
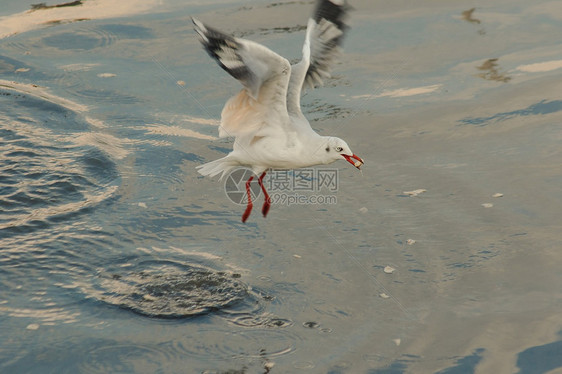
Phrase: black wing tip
(334, 11)
(210, 32)
(215, 42)
(212, 39)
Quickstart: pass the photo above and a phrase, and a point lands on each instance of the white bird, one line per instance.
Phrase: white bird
(265, 117)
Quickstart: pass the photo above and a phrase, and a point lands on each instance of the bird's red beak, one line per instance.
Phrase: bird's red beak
(357, 163)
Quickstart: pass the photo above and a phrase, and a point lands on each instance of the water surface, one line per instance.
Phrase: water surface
(116, 256)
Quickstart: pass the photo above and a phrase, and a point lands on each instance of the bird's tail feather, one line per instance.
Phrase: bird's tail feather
(221, 166)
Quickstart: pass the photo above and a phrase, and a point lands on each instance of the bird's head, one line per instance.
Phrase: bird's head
(336, 149)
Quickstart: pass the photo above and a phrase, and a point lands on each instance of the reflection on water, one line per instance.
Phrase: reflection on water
(42, 15)
(542, 107)
(467, 16)
(540, 359)
(61, 5)
(44, 176)
(465, 364)
(491, 71)
(541, 66)
(87, 38)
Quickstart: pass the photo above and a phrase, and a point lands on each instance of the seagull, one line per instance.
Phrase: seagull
(265, 117)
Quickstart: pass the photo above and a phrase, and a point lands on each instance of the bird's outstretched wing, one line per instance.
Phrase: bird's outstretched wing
(322, 47)
(326, 39)
(263, 73)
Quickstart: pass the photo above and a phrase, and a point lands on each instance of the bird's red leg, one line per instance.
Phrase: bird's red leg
(250, 205)
(267, 202)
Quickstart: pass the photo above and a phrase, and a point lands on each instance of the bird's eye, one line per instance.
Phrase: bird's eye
(339, 149)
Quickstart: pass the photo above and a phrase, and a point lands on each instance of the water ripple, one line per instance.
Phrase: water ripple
(116, 357)
(45, 176)
(247, 344)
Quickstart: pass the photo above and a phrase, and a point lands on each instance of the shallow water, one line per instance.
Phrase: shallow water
(116, 256)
